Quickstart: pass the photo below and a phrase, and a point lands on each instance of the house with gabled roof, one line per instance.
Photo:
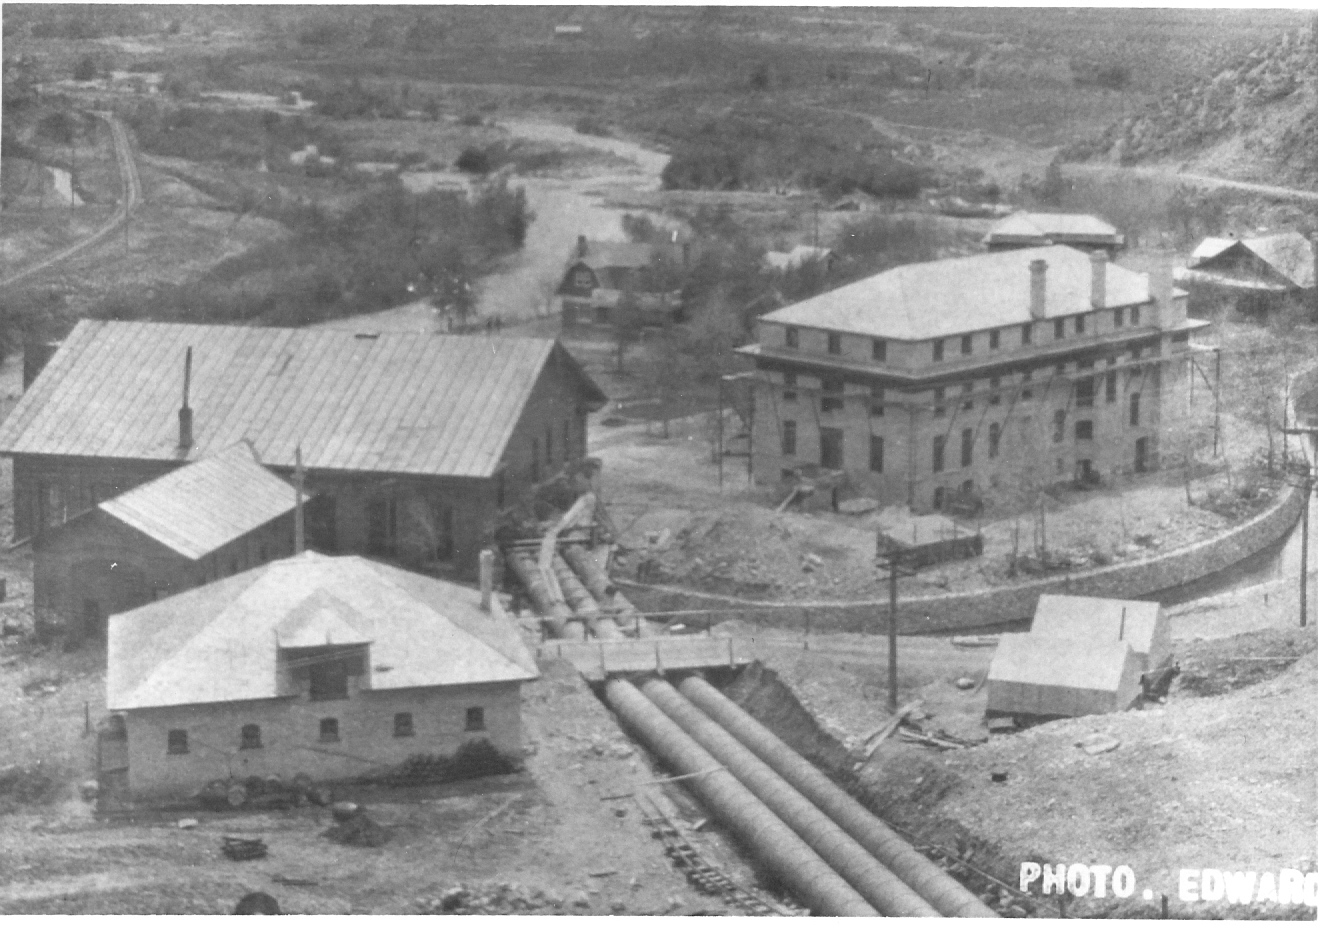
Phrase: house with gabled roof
(412, 441)
(955, 377)
(328, 667)
(1251, 275)
(209, 519)
(1040, 229)
(603, 279)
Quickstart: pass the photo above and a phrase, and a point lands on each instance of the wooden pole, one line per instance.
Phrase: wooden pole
(299, 526)
(892, 632)
(1304, 548)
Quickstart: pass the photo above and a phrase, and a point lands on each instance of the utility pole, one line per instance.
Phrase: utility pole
(1304, 521)
(891, 556)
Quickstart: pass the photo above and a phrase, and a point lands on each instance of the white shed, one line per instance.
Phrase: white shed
(1054, 677)
(1083, 620)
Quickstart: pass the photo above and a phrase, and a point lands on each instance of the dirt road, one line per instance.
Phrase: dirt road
(132, 194)
(1202, 180)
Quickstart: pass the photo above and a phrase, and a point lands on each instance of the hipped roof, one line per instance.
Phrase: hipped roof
(198, 508)
(403, 402)
(948, 297)
(1044, 226)
(221, 642)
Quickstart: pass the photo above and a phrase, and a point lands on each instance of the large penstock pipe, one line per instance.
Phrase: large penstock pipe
(883, 889)
(557, 616)
(947, 895)
(797, 865)
(582, 603)
(596, 581)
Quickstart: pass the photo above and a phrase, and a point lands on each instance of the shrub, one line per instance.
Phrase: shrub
(473, 759)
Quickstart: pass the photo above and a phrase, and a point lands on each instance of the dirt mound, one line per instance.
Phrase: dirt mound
(1262, 105)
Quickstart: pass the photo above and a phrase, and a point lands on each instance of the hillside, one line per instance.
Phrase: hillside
(1256, 120)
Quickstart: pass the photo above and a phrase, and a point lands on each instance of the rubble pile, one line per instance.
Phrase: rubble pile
(357, 829)
(494, 898)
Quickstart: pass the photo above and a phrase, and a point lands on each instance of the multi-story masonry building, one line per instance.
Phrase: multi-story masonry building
(1010, 370)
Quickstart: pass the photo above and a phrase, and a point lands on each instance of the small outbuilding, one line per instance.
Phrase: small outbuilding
(1250, 275)
(1041, 229)
(1048, 677)
(206, 520)
(329, 667)
(1086, 621)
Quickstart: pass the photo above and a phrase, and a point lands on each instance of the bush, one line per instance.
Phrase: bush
(473, 759)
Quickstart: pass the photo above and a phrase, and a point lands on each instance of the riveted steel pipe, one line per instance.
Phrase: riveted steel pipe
(889, 895)
(945, 893)
(612, 601)
(557, 617)
(769, 838)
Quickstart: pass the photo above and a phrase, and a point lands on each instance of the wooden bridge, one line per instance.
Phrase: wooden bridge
(596, 660)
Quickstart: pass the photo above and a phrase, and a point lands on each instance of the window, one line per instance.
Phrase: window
(789, 387)
(830, 448)
(329, 678)
(251, 736)
(876, 401)
(995, 339)
(967, 447)
(382, 526)
(834, 343)
(967, 344)
(1135, 316)
(583, 279)
(1079, 324)
(1084, 365)
(1135, 353)
(1059, 426)
(403, 725)
(1118, 318)
(939, 440)
(966, 389)
(1084, 430)
(1134, 409)
(876, 454)
(1182, 338)
(1084, 392)
(938, 349)
(792, 338)
(939, 395)
(475, 719)
(995, 383)
(789, 438)
(1027, 392)
(177, 742)
(1027, 333)
(831, 400)
(1061, 369)
(995, 438)
(549, 445)
(1059, 329)
(329, 730)
(1110, 387)
(879, 350)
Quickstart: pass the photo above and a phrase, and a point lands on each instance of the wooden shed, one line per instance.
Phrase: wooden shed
(1045, 677)
(1084, 620)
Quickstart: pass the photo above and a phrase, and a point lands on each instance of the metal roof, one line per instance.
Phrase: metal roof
(220, 642)
(1044, 226)
(1080, 619)
(1290, 254)
(407, 403)
(1059, 663)
(948, 297)
(198, 508)
(614, 254)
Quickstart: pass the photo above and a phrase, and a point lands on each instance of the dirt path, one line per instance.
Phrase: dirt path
(1203, 180)
(132, 194)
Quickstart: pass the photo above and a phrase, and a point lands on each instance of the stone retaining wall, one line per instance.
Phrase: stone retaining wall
(970, 610)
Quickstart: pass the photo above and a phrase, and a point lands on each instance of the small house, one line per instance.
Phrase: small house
(604, 279)
(1041, 229)
(1048, 677)
(1249, 275)
(1086, 621)
(328, 667)
(209, 519)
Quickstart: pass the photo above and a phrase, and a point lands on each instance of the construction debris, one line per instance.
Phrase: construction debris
(492, 898)
(243, 850)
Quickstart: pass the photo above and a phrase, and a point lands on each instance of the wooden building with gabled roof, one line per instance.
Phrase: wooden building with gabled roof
(412, 441)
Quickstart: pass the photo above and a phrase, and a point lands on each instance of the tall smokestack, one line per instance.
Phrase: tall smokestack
(1098, 279)
(487, 578)
(1038, 287)
(184, 412)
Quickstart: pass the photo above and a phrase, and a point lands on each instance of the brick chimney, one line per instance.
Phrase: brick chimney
(1163, 311)
(185, 412)
(582, 246)
(1038, 287)
(487, 578)
(1098, 279)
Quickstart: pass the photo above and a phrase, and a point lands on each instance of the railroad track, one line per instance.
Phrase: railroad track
(131, 184)
(704, 876)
